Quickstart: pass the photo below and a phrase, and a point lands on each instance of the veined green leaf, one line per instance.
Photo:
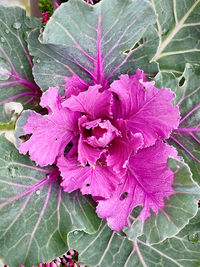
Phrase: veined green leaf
(187, 137)
(36, 215)
(16, 80)
(92, 44)
(178, 30)
(107, 248)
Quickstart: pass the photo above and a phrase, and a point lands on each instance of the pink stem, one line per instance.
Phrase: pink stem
(56, 4)
(17, 96)
(187, 130)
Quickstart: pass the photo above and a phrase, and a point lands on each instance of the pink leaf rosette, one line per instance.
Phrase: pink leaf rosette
(109, 143)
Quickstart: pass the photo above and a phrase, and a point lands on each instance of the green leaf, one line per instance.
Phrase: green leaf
(187, 137)
(16, 80)
(107, 248)
(178, 31)
(94, 42)
(177, 212)
(36, 215)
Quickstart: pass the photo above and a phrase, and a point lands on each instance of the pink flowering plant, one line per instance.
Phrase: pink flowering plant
(107, 146)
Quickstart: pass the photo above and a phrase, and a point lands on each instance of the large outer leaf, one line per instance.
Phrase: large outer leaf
(178, 26)
(16, 81)
(187, 137)
(107, 248)
(36, 215)
(94, 42)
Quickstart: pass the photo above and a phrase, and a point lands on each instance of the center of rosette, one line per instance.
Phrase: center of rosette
(100, 133)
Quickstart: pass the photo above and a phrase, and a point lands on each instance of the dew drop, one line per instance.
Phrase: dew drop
(164, 31)
(4, 74)
(7, 31)
(4, 70)
(75, 232)
(193, 238)
(17, 25)
(37, 192)
(38, 60)
(2, 40)
(12, 172)
(21, 67)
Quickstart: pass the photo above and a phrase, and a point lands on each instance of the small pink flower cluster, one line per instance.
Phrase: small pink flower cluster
(45, 16)
(69, 259)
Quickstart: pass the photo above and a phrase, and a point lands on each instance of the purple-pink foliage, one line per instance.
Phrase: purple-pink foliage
(109, 143)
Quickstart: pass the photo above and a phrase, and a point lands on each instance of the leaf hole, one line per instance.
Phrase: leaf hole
(136, 211)
(68, 147)
(116, 97)
(123, 196)
(127, 51)
(25, 138)
(182, 81)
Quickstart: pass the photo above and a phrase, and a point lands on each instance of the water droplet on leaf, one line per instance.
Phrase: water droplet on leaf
(164, 31)
(7, 31)
(12, 171)
(17, 25)
(38, 192)
(4, 75)
(75, 232)
(21, 67)
(4, 70)
(2, 40)
(194, 237)
(38, 60)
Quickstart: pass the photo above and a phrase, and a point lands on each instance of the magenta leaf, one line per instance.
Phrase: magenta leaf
(100, 181)
(88, 101)
(150, 184)
(95, 51)
(16, 80)
(187, 137)
(147, 109)
(36, 215)
(58, 128)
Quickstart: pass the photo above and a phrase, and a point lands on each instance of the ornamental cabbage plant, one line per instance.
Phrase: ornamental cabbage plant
(106, 160)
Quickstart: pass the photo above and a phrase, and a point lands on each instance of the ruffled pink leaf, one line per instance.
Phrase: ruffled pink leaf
(99, 180)
(51, 100)
(50, 133)
(122, 147)
(147, 182)
(74, 85)
(148, 110)
(86, 153)
(92, 102)
(101, 134)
